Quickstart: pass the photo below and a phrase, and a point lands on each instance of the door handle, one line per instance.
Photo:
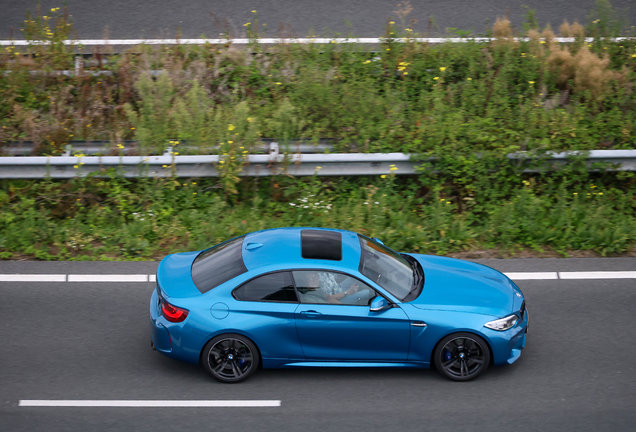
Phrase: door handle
(311, 313)
(418, 324)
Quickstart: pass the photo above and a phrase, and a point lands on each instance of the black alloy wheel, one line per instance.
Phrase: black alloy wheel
(462, 356)
(230, 358)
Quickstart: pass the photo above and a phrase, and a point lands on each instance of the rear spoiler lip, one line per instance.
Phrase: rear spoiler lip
(174, 275)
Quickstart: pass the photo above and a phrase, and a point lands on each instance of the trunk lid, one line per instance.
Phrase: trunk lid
(174, 277)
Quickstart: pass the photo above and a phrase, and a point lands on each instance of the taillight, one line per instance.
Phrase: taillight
(173, 313)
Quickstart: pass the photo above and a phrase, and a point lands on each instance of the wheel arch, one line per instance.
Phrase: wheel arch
(442, 337)
(237, 332)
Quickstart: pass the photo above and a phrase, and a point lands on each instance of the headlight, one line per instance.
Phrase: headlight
(503, 323)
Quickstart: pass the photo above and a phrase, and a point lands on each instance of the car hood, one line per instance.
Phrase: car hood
(174, 275)
(452, 284)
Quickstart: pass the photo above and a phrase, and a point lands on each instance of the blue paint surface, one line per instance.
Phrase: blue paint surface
(457, 296)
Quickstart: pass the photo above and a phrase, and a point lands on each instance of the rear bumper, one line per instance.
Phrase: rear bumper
(175, 340)
(158, 332)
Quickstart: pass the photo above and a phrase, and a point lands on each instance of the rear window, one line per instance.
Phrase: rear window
(218, 265)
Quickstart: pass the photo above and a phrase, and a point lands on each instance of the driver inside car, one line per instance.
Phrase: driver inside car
(329, 290)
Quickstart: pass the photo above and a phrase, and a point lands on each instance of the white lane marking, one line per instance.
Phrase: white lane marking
(599, 275)
(108, 278)
(153, 277)
(243, 41)
(32, 278)
(150, 403)
(532, 275)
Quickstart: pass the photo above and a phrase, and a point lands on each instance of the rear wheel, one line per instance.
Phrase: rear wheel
(230, 358)
(462, 356)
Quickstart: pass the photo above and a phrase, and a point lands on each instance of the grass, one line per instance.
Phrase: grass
(117, 218)
(411, 97)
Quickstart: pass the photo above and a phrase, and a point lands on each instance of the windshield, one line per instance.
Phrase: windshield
(386, 268)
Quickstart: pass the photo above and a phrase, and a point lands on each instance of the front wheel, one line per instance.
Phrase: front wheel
(230, 358)
(462, 356)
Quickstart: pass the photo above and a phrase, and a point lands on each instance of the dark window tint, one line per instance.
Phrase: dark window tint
(218, 265)
(319, 244)
(270, 287)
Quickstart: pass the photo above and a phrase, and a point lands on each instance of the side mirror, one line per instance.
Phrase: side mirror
(379, 304)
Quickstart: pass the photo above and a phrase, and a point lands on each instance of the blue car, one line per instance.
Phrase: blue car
(312, 297)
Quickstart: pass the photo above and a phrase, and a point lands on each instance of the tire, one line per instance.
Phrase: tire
(462, 356)
(230, 358)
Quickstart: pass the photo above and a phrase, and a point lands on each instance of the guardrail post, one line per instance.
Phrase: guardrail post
(273, 152)
(79, 63)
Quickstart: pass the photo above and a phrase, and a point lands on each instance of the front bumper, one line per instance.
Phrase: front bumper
(519, 341)
(507, 345)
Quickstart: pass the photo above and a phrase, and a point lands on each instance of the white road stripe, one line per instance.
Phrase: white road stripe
(599, 275)
(32, 278)
(108, 278)
(532, 275)
(153, 277)
(150, 403)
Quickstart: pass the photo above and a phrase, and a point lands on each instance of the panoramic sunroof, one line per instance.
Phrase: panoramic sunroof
(318, 244)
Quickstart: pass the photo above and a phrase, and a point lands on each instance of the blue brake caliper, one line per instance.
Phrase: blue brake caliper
(448, 355)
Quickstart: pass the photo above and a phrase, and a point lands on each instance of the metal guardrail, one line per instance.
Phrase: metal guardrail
(131, 148)
(334, 164)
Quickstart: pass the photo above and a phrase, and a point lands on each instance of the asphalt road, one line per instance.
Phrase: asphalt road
(362, 18)
(90, 341)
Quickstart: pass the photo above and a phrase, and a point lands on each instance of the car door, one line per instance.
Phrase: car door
(264, 308)
(347, 332)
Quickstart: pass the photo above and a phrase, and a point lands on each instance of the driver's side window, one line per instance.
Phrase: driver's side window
(318, 286)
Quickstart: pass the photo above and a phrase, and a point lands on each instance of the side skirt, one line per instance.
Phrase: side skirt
(286, 363)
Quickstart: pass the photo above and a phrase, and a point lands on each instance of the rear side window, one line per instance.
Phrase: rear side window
(270, 287)
(218, 265)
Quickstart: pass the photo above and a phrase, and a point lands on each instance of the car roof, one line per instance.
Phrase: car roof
(282, 246)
